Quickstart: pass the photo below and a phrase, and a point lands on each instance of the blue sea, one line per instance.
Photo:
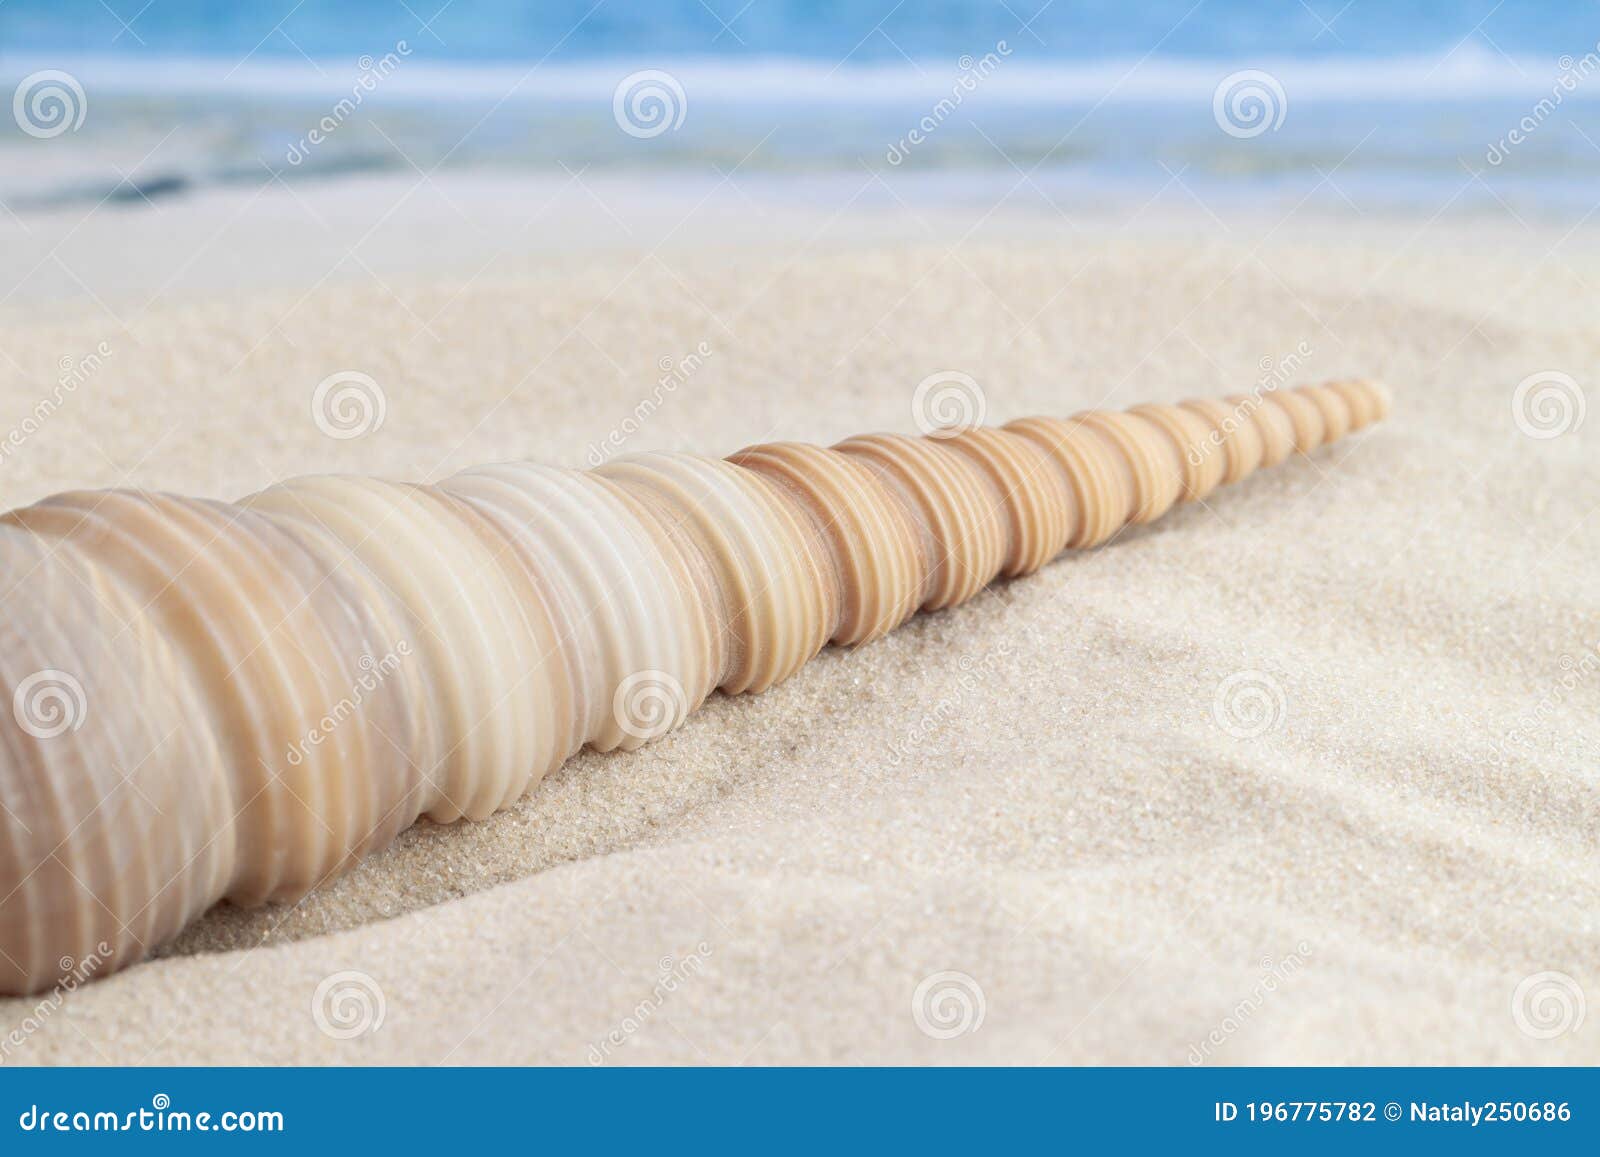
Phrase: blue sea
(1359, 105)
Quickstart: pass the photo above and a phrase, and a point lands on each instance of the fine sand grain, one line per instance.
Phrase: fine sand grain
(1034, 790)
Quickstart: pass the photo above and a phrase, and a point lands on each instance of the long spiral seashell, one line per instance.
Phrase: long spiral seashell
(237, 700)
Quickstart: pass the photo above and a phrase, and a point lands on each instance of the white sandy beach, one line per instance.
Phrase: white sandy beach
(1119, 878)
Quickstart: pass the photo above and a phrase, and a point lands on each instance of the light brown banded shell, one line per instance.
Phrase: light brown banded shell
(237, 700)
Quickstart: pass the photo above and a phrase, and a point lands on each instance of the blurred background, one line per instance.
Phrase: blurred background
(999, 105)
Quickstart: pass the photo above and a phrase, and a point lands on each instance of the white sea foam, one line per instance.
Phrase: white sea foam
(1465, 72)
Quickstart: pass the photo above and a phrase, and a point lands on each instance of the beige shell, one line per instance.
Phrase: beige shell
(214, 700)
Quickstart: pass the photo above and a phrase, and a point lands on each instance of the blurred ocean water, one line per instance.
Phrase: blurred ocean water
(1361, 105)
(826, 30)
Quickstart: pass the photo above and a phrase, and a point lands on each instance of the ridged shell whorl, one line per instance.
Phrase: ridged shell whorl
(238, 700)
